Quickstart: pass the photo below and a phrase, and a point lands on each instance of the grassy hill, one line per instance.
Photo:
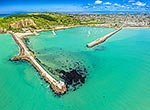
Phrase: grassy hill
(42, 21)
(49, 20)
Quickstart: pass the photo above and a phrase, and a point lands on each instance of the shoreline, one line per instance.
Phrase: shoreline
(31, 22)
(69, 27)
(63, 28)
(118, 27)
(135, 27)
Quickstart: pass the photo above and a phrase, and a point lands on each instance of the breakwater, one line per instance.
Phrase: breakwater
(59, 87)
(102, 39)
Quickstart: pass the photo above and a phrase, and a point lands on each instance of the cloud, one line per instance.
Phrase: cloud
(98, 2)
(130, 1)
(86, 7)
(116, 4)
(88, 4)
(107, 3)
(94, 6)
(138, 3)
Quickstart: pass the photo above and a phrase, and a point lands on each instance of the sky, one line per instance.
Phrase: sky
(8, 6)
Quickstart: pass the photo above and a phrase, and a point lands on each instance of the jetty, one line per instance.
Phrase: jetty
(58, 86)
(53, 31)
(102, 39)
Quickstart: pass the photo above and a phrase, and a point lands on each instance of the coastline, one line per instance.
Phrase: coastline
(135, 27)
(55, 21)
(118, 27)
(67, 27)
(36, 31)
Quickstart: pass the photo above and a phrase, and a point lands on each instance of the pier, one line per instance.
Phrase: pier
(59, 87)
(53, 31)
(103, 39)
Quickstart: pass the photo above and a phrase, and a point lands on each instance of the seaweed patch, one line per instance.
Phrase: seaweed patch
(70, 67)
(75, 77)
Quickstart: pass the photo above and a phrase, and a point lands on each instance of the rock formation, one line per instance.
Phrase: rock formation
(2, 31)
(23, 23)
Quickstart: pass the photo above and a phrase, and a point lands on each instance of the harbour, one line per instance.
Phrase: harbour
(118, 75)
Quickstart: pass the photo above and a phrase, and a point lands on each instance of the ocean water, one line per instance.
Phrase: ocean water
(118, 71)
(3, 15)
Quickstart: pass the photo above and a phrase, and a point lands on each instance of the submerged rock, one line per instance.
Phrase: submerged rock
(70, 67)
(74, 78)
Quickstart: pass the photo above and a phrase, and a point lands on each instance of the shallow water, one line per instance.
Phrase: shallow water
(118, 71)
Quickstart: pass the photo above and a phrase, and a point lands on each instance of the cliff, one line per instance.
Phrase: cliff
(23, 23)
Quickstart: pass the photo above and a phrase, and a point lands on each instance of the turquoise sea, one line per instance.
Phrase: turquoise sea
(118, 71)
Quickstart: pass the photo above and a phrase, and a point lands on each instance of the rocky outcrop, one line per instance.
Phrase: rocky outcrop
(23, 23)
(2, 31)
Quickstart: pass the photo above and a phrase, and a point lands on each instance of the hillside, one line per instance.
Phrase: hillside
(21, 22)
(36, 21)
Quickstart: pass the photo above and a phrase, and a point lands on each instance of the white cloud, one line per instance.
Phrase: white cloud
(138, 3)
(116, 4)
(94, 6)
(88, 4)
(107, 3)
(98, 2)
(122, 6)
(86, 7)
(131, 1)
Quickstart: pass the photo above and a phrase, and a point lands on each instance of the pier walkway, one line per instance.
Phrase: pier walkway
(103, 39)
(58, 87)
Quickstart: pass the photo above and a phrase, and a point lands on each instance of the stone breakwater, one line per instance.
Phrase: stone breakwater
(59, 87)
(102, 39)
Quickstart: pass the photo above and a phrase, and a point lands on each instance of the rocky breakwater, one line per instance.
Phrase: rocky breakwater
(103, 39)
(58, 86)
